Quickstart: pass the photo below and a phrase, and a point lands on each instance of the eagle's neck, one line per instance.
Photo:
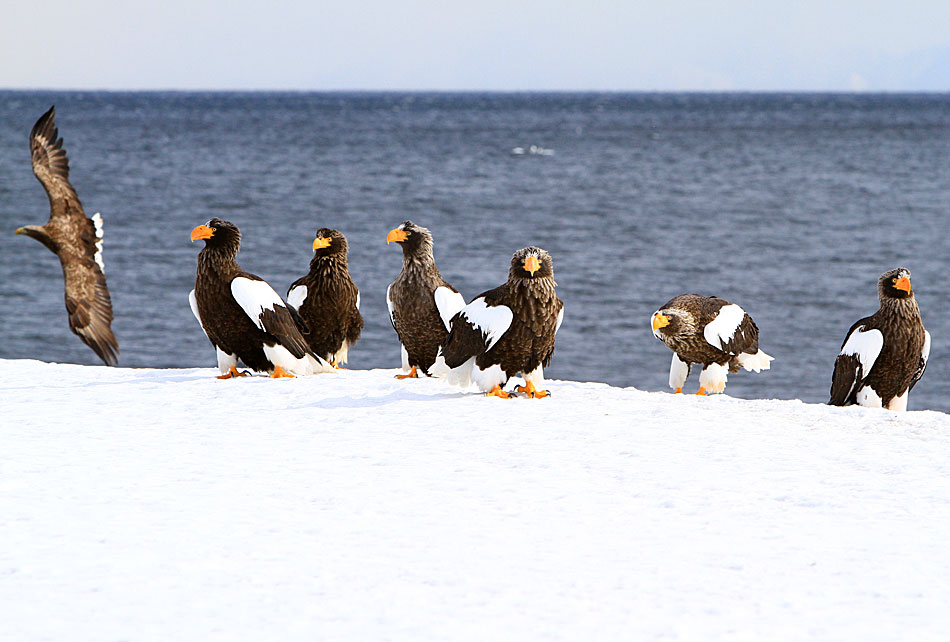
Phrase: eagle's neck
(904, 309)
(218, 263)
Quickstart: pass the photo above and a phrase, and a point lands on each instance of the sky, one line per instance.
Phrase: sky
(507, 45)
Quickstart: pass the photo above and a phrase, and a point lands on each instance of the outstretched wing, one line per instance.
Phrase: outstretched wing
(476, 329)
(922, 365)
(51, 167)
(731, 329)
(89, 306)
(858, 353)
(268, 312)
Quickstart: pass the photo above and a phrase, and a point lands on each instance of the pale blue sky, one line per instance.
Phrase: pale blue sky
(489, 44)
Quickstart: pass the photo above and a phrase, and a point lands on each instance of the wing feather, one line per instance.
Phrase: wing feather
(51, 168)
(268, 312)
(89, 306)
(449, 302)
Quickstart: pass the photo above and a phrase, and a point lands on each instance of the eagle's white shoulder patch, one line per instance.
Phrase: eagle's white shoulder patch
(866, 345)
(448, 304)
(254, 297)
(723, 328)
(297, 296)
(493, 321)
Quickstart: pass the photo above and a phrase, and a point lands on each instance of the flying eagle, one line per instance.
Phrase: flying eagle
(76, 240)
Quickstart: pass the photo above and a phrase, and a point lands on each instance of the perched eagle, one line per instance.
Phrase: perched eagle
(242, 316)
(884, 354)
(76, 240)
(327, 299)
(711, 331)
(507, 331)
(421, 302)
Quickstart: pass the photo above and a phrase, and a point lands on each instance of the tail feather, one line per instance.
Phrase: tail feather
(755, 362)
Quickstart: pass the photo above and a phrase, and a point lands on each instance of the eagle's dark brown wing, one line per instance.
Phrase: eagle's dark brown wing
(51, 167)
(88, 304)
(76, 240)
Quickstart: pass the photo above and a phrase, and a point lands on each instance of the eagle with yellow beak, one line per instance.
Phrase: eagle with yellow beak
(884, 355)
(506, 332)
(711, 331)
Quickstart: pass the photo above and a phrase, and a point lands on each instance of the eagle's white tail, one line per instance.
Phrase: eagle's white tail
(758, 361)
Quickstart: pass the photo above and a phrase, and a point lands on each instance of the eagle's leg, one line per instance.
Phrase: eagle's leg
(412, 374)
(701, 391)
(233, 372)
(497, 392)
(280, 373)
(533, 392)
(678, 390)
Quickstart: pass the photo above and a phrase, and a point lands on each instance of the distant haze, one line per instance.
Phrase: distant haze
(488, 45)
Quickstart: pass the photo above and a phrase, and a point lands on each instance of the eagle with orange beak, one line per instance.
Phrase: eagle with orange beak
(242, 316)
(420, 301)
(884, 355)
(327, 300)
(507, 331)
(711, 331)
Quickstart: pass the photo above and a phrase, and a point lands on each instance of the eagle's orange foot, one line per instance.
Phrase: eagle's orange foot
(678, 390)
(233, 372)
(412, 374)
(701, 391)
(280, 373)
(533, 392)
(498, 392)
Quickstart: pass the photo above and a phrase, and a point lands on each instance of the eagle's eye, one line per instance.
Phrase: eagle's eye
(214, 229)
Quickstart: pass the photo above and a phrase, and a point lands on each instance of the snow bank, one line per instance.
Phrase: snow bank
(168, 505)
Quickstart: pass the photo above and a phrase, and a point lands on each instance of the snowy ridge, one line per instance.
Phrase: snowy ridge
(359, 507)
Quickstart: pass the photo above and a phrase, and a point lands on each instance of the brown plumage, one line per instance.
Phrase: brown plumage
(327, 300)
(242, 316)
(710, 331)
(76, 240)
(420, 301)
(507, 331)
(884, 355)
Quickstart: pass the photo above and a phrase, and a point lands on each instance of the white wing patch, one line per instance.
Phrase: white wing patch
(492, 321)
(254, 297)
(925, 353)
(448, 303)
(97, 221)
(297, 296)
(560, 317)
(389, 304)
(193, 301)
(357, 299)
(866, 345)
(723, 328)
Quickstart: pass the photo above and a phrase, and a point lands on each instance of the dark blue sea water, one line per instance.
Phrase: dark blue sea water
(789, 205)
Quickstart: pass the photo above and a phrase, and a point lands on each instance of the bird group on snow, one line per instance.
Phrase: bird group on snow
(503, 333)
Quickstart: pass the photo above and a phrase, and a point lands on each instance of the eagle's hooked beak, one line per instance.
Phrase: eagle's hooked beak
(320, 242)
(201, 232)
(396, 235)
(531, 264)
(660, 321)
(903, 283)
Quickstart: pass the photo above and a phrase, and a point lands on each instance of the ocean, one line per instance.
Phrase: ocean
(790, 205)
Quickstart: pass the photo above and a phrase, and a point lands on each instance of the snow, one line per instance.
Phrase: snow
(140, 504)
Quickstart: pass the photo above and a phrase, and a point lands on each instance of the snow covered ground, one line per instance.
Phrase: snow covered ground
(168, 505)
